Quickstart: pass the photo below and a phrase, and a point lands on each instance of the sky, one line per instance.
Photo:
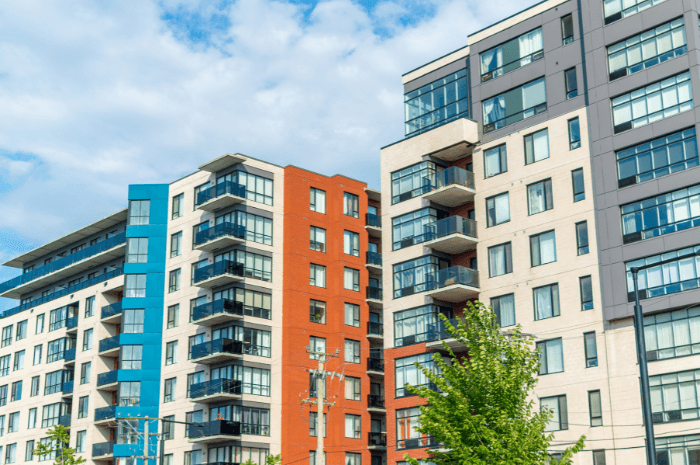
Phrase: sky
(99, 95)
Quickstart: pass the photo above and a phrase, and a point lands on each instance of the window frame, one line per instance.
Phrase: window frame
(321, 194)
(579, 194)
(507, 257)
(493, 223)
(556, 307)
(536, 244)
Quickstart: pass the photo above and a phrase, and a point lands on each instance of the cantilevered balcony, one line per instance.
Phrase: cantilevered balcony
(219, 350)
(111, 313)
(448, 142)
(108, 381)
(373, 225)
(374, 263)
(67, 388)
(454, 284)
(377, 441)
(374, 296)
(219, 311)
(219, 274)
(217, 390)
(64, 420)
(375, 331)
(214, 431)
(103, 451)
(222, 195)
(70, 265)
(375, 367)
(69, 356)
(105, 415)
(438, 334)
(220, 236)
(72, 324)
(452, 235)
(452, 187)
(375, 404)
(109, 347)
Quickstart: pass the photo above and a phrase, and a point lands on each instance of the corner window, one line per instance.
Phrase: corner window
(574, 134)
(437, 103)
(536, 146)
(567, 29)
(539, 197)
(500, 260)
(495, 161)
(407, 373)
(497, 209)
(139, 212)
(411, 228)
(551, 356)
(318, 200)
(571, 83)
(546, 301)
(412, 181)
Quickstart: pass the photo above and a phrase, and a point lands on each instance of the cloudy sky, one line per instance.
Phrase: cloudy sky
(98, 95)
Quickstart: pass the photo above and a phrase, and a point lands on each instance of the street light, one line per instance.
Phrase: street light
(642, 355)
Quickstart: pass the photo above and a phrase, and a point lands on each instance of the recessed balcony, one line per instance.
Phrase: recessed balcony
(374, 263)
(453, 187)
(375, 367)
(64, 420)
(103, 451)
(374, 296)
(217, 351)
(108, 381)
(438, 334)
(373, 225)
(105, 415)
(219, 274)
(375, 404)
(217, 390)
(454, 284)
(109, 347)
(375, 331)
(377, 441)
(452, 235)
(111, 314)
(69, 356)
(72, 324)
(219, 311)
(67, 388)
(220, 236)
(214, 431)
(222, 195)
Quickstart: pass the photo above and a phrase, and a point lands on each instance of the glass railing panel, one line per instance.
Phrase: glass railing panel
(72, 322)
(374, 258)
(375, 364)
(223, 188)
(107, 378)
(67, 387)
(218, 346)
(216, 386)
(222, 229)
(453, 275)
(102, 448)
(69, 355)
(217, 307)
(377, 439)
(375, 328)
(451, 225)
(109, 343)
(373, 220)
(214, 428)
(374, 293)
(105, 413)
(375, 401)
(217, 269)
(111, 310)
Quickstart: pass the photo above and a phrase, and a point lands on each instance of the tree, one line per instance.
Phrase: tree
(59, 438)
(480, 412)
(269, 460)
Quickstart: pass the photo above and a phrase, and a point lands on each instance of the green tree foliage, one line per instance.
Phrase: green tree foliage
(273, 459)
(60, 438)
(482, 415)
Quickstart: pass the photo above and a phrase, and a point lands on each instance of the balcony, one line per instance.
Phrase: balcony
(454, 284)
(64, 420)
(375, 331)
(448, 142)
(220, 236)
(374, 296)
(377, 441)
(375, 367)
(111, 313)
(217, 390)
(105, 414)
(72, 323)
(220, 196)
(217, 351)
(373, 225)
(109, 347)
(375, 404)
(67, 388)
(73, 264)
(374, 263)
(219, 311)
(219, 274)
(108, 381)
(453, 187)
(69, 356)
(452, 235)
(437, 334)
(103, 450)
(214, 431)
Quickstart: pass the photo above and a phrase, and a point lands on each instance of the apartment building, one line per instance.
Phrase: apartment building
(198, 304)
(540, 163)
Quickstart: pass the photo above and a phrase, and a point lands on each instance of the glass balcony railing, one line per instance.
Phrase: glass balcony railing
(449, 176)
(64, 262)
(453, 275)
(216, 386)
(214, 428)
(219, 346)
(218, 307)
(377, 439)
(69, 355)
(220, 230)
(109, 343)
(111, 310)
(218, 269)
(105, 413)
(107, 378)
(103, 448)
(223, 188)
(437, 332)
(375, 364)
(64, 420)
(375, 401)
(374, 258)
(374, 328)
(67, 387)
(373, 220)
(450, 225)
(72, 322)
(416, 443)
(374, 293)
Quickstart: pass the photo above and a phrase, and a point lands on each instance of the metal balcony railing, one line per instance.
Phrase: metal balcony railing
(111, 310)
(377, 439)
(217, 307)
(219, 346)
(223, 188)
(374, 258)
(216, 386)
(375, 364)
(220, 230)
(217, 269)
(374, 293)
(375, 401)
(374, 328)
(105, 413)
(453, 275)
(214, 428)
(102, 448)
(107, 378)
(450, 225)
(373, 220)
(109, 343)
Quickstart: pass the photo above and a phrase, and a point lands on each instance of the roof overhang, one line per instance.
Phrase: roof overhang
(223, 162)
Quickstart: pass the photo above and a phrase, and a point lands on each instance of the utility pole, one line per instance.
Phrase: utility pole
(145, 441)
(146, 435)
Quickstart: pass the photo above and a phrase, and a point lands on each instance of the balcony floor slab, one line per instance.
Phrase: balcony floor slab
(220, 242)
(453, 243)
(223, 201)
(452, 195)
(454, 293)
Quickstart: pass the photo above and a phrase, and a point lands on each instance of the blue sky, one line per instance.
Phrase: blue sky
(99, 95)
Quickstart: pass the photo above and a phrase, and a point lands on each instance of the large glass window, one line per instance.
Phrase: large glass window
(50, 415)
(647, 49)
(255, 381)
(675, 450)
(539, 197)
(407, 373)
(551, 356)
(523, 102)
(257, 304)
(418, 324)
(652, 103)
(511, 55)
(407, 435)
(543, 248)
(675, 396)
(255, 341)
(495, 161)
(672, 334)
(504, 308)
(257, 228)
(135, 285)
(129, 393)
(411, 228)
(497, 209)
(560, 417)
(546, 301)
(414, 276)
(256, 266)
(670, 278)
(139, 212)
(500, 260)
(132, 320)
(437, 103)
(664, 214)
(412, 181)
(130, 357)
(257, 188)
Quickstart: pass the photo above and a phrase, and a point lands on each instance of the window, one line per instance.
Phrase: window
(21, 330)
(666, 279)
(570, 83)
(256, 266)
(193, 457)
(174, 281)
(5, 365)
(582, 238)
(318, 200)
(657, 158)
(85, 372)
(39, 324)
(139, 212)
(29, 448)
(317, 311)
(352, 315)
(87, 339)
(316, 344)
(411, 228)
(518, 52)
(551, 356)
(413, 276)
(497, 209)
(664, 214)
(175, 244)
(80, 441)
(11, 453)
(543, 248)
(574, 134)
(318, 275)
(351, 243)
(34, 387)
(168, 428)
(200, 199)
(135, 285)
(674, 396)
(255, 381)
(197, 266)
(57, 348)
(318, 239)
(16, 391)
(515, 105)
(13, 422)
(50, 415)
(560, 418)
(352, 458)
(351, 205)
(173, 316)
(578, 186)
(652, 103)
(137, 250)
(257, 304)
(407, 373)
(178, 203)
(647, 49)
(599, 457)
(255, 341)
(586, 285)
(353, 426)
(132, 320)
(31, 424)
(595, 408)
(495, 161)
(618, 9)
(129, 394)
(436, 103)
(19, 361)
(130, 357)
(313, 418)
(6, 336)
(415, 325)
(53, 382)
(353, 388)
(412, 181)
(352, 279)
(257, 188)
(37, 355)
(257, 228)
(539, 197)
(83, 407)
(170, 353)
(313, 386)
(352, 351)
(500, 260)
(546, 301)
(504, 308)
(567, 29)
(3, 395)
(672, 334)
(57, 317)
(89, 306)
(407, 435)
(169, 390)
